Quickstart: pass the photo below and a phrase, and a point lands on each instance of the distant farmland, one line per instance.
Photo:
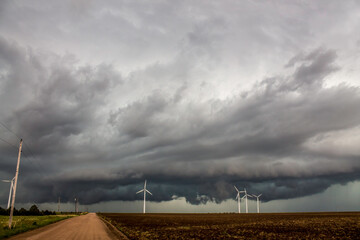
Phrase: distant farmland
(238, 226)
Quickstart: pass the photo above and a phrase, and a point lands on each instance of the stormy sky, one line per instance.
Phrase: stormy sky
(195, 96)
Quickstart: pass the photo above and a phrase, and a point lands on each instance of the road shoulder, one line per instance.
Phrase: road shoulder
(112, 230)
(26, 235)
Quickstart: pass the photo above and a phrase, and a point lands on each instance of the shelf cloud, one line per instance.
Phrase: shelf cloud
(195, 114)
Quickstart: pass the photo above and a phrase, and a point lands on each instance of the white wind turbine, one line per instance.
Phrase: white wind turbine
(238, 198)
(246, 200)
(11, 188)
(257, 202)
(144, 190)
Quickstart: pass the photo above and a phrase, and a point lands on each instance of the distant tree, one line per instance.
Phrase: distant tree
(2, 211)
(34, 211)
(47, 212)
(23, 212)
(16, 212)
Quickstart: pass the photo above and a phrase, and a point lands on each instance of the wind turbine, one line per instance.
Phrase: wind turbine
(144, 190)
(257, 202)
(246, 200)
(238, 198)
(11, 188)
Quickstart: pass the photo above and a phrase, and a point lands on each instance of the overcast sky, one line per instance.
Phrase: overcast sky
(195, 96)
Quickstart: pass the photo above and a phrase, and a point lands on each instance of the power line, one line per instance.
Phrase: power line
(1, 123)
(9, 130)
(26, 146)
(39, 169)
(25, 156)
(12, 145)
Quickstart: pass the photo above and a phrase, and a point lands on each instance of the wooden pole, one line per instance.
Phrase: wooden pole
(15, 184)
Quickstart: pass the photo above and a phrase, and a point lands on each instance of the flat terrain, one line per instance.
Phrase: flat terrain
(238, 226)
(26, 223)
(85, 227)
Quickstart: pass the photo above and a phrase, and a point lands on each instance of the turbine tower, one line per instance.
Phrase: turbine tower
(238, 198)
(257, 202)
(144, 190)
(246, 200)
(14, 186)
(11, 188)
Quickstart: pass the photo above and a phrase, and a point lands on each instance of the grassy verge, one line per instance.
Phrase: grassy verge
(25, 223)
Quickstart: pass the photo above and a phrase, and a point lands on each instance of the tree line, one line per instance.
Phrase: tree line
(33, 211)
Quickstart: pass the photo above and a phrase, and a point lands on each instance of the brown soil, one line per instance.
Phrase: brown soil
(238, 226)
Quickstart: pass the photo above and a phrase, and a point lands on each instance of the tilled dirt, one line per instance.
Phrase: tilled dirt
(342, 225)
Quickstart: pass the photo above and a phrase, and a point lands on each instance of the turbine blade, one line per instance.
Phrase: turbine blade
(140, 191)
(259, 195)
(236, 188)
(6, 180)
(148, 191)
(243, 197)
(145, 184)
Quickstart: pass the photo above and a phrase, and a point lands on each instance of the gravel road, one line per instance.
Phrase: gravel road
(85, 227)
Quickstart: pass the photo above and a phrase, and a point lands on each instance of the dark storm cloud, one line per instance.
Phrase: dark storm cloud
(97, 133)
(259, 137)
(50, 101)
(195, 150)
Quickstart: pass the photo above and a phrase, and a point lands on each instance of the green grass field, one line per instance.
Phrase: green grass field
(26, 223)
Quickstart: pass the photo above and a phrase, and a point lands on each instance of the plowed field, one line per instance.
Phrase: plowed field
(238, 226)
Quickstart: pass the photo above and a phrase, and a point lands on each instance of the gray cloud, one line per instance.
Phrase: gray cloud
(193, 149)
(178, 117)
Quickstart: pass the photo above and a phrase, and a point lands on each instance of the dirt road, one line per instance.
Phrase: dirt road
(86, 227)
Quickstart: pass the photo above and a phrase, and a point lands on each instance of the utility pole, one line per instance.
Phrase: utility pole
(15, 184)
(59, 204)
(76, 205)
